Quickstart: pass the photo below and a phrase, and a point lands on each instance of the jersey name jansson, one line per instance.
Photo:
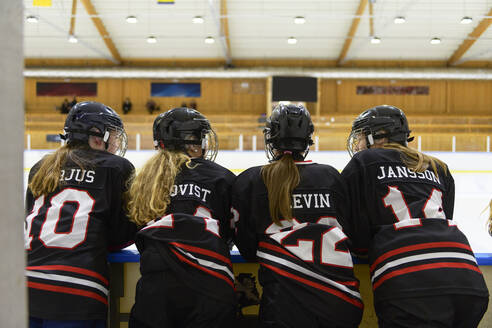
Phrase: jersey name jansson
(190, 189)
(310, 200)
(388, 172)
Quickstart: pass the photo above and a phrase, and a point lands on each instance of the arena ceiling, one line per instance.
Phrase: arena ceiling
(257, 32)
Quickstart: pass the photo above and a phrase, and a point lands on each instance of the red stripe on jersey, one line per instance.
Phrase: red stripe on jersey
(70, 269)
(203, 251)
(440, 265)
(213, 273)
(67, 290)
(417, 247)
(275, 248)
(354, 283)
(315, 285)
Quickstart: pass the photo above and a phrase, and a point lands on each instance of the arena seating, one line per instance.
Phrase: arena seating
(436, 132)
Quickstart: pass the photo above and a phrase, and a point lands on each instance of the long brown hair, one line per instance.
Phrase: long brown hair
(415, 160)
(280, 178)
(47, 177)
(150, 191)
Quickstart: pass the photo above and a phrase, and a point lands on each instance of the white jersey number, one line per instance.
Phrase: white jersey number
(395, 200)
(330, 255)
(80, 220)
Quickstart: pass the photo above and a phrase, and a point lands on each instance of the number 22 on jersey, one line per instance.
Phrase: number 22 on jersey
(330, 238)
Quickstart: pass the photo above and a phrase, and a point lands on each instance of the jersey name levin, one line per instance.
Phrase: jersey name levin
(77, 175)
(389, 172)
(190, 189)
(310, 200)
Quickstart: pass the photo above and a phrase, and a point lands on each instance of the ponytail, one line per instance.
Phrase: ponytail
(150, 191)
(280, 178)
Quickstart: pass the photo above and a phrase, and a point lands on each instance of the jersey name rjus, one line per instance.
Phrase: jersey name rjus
(77, 175)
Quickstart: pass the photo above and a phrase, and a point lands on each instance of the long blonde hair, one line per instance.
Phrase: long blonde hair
(417, 161)
(47, 177)
(150, 191)
(280, 178)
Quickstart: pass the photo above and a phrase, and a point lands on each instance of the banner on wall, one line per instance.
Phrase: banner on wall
(391, 90)
(54, 89)
(191, 90)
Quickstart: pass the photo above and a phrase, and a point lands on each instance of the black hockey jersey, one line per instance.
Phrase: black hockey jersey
(309, 256)
(192, 238)
(68, 234)
(404, 220)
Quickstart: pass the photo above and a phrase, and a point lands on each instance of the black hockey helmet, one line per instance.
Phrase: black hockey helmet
(382, 121)
(183, 126)
(91, 118)
(288, 129)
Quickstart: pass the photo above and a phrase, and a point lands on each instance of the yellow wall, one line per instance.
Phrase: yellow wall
(229, 96)
(218, 96)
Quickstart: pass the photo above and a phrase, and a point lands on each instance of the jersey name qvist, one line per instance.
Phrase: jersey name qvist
(190, 189)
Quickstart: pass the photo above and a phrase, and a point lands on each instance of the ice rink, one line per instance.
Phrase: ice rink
(472, 172)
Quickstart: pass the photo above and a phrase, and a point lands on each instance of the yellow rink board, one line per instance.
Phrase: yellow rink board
(369, 320)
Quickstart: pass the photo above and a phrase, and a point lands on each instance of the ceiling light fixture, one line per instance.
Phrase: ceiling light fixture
(151, 39)
(299, 20)
(209, 40)
(466, 20)
(198, 20)
(291, 40)
(399, 20)
(72, 39)
(32, 19)
(375, 40)
(435, 41)
(131, 19)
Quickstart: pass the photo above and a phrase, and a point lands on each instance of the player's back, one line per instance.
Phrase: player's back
(192, 238)
(404, 218)
(68, 233)
(314, 197)
(308, 256)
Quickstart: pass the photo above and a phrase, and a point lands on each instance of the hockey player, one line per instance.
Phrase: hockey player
(423, 271)
(286, 214)
(75, 214)
(181, 198)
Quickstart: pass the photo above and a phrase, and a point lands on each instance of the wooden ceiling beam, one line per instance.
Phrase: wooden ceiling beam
(371, 18)
(471, 39)
(89, 7)
(72, 18)
(224, 26)
(352, 31)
